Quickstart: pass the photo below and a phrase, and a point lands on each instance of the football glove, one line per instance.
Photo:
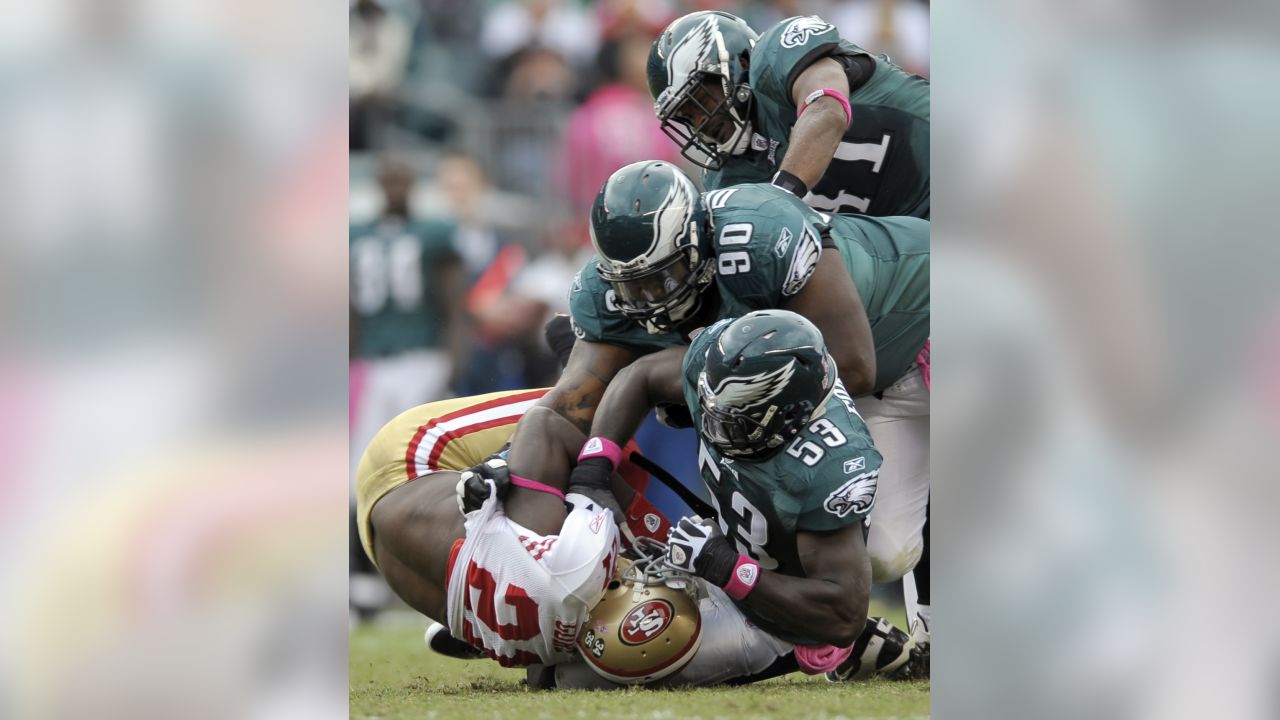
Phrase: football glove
(592, 477)
(559, 335)
(697, 546)
(473, 486)
(674, 415)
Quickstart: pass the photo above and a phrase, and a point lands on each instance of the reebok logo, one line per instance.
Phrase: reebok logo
(597, 522)
(854, 465)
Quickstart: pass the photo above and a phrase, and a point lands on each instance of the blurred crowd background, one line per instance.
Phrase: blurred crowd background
(480, 133)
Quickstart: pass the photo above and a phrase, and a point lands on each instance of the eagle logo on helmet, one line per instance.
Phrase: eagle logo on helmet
(686, 57)
(671, 219)
(801, 29)
(745, 392)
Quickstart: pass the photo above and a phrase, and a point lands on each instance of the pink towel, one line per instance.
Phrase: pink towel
(821, 659)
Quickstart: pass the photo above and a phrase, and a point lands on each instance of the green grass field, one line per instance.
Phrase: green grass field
(393, 675)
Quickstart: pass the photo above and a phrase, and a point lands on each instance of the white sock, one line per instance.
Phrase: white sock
(925, 615)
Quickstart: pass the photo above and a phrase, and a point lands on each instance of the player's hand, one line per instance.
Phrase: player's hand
(674, 415)
(473, 485)
(697, 546)
(560, 338)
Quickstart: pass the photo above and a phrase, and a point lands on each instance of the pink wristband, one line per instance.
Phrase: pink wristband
(744, 577)
(844, 103)
(601, 447)
(528, 484)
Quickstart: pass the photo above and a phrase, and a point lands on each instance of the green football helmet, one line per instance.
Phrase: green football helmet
(649, 229)
(766, 376)
(699, 85)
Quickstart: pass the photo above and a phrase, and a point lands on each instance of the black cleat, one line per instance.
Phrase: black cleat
(917, 666)
(881, 649)
(443, 643)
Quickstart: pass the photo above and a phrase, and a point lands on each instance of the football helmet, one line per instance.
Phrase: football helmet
(647, 626)
(766, 376)
(649, 229)
(699, 85)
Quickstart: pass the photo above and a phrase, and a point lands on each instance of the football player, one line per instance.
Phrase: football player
(797, 106)
(519, 581)
(791, 470)
(670, 260)
(475, 573)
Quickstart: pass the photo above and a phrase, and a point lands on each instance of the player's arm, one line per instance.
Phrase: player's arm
(638, 388)
(818, 129)
(829, 606)
(590, 369)
(832, 598)
(844, 324)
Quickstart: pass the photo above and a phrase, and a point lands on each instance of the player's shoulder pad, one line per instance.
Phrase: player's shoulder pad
(595, 317)
(848, 473)
(589, 303)
(787, 44)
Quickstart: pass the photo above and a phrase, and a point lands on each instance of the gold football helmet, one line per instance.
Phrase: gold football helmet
(647, 625)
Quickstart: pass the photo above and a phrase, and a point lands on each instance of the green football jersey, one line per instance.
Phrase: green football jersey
(392, 266)
(825, 479)
(881, 166)
(766, 245)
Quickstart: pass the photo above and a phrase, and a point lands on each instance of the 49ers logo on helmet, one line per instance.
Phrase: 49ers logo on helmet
(646, 622)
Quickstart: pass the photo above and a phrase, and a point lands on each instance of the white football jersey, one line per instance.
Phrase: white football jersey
(521, 597)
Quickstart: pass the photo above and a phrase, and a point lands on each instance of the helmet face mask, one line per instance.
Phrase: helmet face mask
(706, 121)
(662, 297)
(745, 435)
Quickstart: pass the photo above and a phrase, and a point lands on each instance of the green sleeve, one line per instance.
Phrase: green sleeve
(840, 487)
(595, 318)
(785, 50)
(780, 237)
(841, 491)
